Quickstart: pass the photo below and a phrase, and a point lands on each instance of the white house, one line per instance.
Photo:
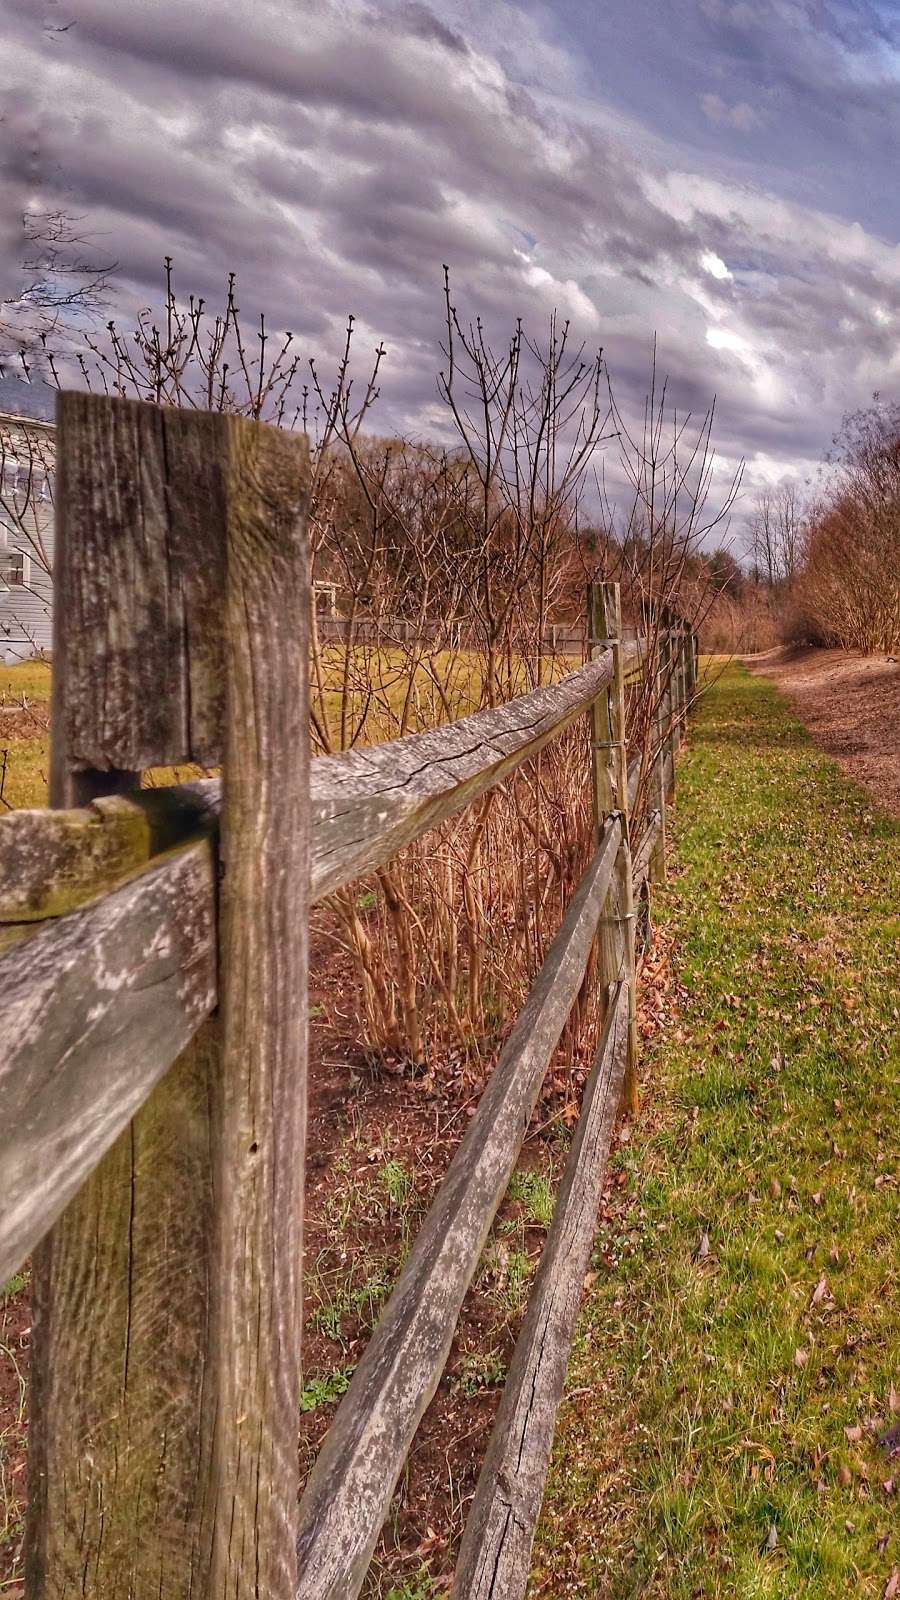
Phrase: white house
(27, 462)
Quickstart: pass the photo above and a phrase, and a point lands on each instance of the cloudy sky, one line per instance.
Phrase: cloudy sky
(722, 173)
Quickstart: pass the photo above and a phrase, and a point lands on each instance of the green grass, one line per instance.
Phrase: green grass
(25, 760)
(534, 1192)
(26, 679)
(740, 1347)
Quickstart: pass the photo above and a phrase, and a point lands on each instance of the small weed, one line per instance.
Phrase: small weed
(513, 1291)
(397, 1182)
(535, 1195)
(481, 1370)
(18, 1282)
(418, 1587)
(345, 1201)
(322, 1391)
(350, 1292)
(505, 1276)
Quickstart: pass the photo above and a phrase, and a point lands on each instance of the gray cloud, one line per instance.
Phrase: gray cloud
(336, 156)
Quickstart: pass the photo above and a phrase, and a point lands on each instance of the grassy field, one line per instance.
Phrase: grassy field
(24, 740)
(446, 687)
(738, 1361)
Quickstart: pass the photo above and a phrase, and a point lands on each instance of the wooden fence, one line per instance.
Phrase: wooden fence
(152, 1086)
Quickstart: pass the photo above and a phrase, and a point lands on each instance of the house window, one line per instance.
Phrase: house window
(22, 478)
(12, 569)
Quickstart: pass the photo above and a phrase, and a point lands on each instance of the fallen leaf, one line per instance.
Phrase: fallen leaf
(801, 1357)
(772, 1537)
(820, 1291)
(890, 1442)
(892, 1585)
(854, 1433)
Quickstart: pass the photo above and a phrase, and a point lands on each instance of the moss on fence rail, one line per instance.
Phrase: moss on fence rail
(739, 1358)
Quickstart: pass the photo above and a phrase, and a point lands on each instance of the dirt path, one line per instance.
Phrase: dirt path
(851, 705)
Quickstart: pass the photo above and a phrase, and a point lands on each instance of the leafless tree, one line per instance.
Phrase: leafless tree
(654, 537)
(776, 535)
(63, 288)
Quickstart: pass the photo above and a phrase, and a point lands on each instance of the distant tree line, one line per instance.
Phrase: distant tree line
(828, 564)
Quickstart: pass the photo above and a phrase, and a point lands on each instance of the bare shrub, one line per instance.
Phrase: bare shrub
(436, 571)
(654, 540)
(848, 588)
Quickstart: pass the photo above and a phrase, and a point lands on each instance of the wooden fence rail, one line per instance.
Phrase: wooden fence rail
(152, 1081)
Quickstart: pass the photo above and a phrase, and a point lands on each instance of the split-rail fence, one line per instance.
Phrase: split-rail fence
(153, 997)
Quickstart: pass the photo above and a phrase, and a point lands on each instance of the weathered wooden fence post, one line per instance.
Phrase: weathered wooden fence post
(675, 689)
(693, 663)
(610, 774)
(657, 869)
(163, 1439)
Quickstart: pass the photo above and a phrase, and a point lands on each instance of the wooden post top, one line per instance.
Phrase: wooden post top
(155, 501)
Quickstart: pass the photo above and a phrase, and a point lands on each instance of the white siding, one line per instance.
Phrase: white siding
(26, 526)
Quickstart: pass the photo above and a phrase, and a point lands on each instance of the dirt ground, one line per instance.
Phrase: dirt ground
(851, 705)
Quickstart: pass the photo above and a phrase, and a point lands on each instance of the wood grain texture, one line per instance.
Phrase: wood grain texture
(96, 1006)
(634, 778)
(142, 643)
(115, 1469)
(611, 602)
(162, 1447)
(604, 738)
(644, 850)
(259, 1112)
(350, 1487)
(676, 685)
(495, 1554)
(659, 791)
